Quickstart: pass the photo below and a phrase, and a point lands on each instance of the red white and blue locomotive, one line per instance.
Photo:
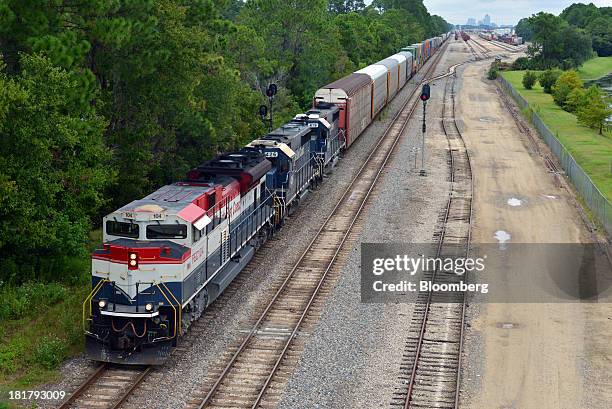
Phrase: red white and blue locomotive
(167, 256)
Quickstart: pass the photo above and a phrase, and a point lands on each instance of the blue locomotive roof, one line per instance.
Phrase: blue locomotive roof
(294, 134)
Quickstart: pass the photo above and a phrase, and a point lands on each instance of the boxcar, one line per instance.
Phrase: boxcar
(410, 66)
(380, 91)
(392, 67)
(402, 74)
(353, 96)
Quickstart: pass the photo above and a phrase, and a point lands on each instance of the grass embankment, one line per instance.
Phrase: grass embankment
(595, 68)
(40, 326)
(591, 150)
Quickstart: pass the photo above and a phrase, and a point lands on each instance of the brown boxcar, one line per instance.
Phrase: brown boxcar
(352, 95)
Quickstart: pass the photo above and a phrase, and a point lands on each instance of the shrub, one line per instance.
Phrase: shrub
(11, 355)
(50, 352)
(520, 64)
(493, 71)
(27, 299)
(596, 109)
(529, 79)
(576, 100)
(566, 83)
(548, 78)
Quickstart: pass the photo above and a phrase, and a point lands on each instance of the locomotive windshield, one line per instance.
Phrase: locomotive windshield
(166, 231)
(122, 229)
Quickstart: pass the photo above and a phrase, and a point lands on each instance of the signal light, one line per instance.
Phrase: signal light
(425, 93)
(132, 261)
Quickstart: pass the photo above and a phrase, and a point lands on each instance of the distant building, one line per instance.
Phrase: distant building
(479, 22)
(471, 21)
(487, 20)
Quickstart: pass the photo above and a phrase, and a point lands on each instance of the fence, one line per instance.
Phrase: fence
(595, 200)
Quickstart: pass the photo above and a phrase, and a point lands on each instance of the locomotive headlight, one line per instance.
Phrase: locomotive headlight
(102, 304)
(132, 261)
(149, 307)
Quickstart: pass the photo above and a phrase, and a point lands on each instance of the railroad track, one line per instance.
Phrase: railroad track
(108, 387)
(483, 50)
(431, 364)
(257, 367)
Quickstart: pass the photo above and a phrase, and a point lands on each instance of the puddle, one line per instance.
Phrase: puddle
(550, 196)
(502, 236)
(487, 119)
(513, 201)
(507, 325)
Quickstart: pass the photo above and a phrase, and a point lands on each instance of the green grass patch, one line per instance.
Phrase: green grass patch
(595, 68)
(592, 151)
(40, 326)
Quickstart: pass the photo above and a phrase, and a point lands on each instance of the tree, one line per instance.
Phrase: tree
(529, 79)
(547, 79)
(523, 29)
(600, 29)
(597, 22)
(566, 83)
(54, 167)
(555, 42)
(345, 6)
(576, 100)
(596, 111)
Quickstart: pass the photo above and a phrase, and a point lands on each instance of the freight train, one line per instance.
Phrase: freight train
(504, 38)
(169, 255)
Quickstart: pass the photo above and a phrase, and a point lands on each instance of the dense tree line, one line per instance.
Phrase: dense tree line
(102, 101)
(569, 39)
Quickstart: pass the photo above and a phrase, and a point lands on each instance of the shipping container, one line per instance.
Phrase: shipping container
(353, 96)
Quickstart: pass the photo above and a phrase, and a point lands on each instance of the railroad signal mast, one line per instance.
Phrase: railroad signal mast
(271, 92)
(425, 94)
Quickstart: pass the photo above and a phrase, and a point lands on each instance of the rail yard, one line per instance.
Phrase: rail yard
(419, 149)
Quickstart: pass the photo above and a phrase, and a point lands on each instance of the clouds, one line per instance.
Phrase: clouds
(501, 11)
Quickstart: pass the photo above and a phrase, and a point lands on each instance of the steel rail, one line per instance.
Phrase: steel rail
(97, 374)
(344, 196)
(422, 332)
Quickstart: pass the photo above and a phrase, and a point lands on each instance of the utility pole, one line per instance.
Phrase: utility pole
(425, 94)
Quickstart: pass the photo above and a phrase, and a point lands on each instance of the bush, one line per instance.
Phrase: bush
(576, 100)
(50, 352)
(493, 71)
(548, 78)
(566, 83)
(596, 109)
(529, 79)
(521, 63)
(10, 356)
(24, 301)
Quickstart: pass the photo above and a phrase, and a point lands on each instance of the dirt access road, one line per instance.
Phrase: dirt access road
(527, 355)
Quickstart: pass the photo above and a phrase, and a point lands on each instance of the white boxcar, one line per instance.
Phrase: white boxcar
(403, 62)
(392, 67)
(410, 65)
(379, 76)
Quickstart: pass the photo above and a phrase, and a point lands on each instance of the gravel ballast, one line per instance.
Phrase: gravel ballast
(352, 358)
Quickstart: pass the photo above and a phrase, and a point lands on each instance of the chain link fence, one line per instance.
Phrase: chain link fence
(594, 199)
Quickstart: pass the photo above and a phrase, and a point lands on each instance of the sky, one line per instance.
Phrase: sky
(501, 11)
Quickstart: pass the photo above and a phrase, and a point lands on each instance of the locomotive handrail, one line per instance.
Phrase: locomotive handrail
(88, 299)
(173, 307)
